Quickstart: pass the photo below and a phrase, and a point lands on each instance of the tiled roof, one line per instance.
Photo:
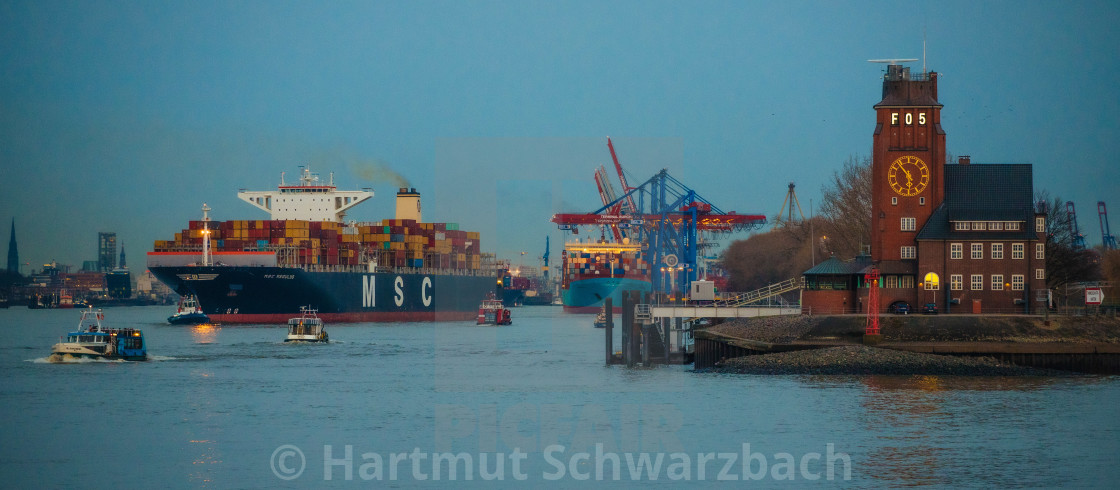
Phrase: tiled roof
(984, 192)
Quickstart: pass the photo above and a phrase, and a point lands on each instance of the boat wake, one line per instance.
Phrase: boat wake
(69, 359)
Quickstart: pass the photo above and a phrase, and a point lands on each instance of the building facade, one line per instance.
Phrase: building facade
(965, 237)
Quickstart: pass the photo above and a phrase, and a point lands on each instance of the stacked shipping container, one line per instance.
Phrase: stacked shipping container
(391, 242)
(583, 265)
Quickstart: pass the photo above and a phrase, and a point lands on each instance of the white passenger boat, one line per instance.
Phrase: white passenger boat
(307, 327)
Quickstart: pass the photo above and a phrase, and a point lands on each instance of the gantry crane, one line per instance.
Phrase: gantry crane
(1106, 233)
(668, 218)
(1077, 240)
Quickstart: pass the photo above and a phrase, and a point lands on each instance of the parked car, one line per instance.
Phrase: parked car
(900, 308)
(930, 309)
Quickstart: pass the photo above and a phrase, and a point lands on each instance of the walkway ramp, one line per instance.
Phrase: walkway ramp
(762, 293)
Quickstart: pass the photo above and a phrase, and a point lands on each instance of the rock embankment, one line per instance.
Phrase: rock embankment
(774, 329)
(858, 359)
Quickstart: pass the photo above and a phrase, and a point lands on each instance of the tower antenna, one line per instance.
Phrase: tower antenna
(924, 50)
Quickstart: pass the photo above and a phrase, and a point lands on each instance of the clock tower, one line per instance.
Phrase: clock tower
(907, 162)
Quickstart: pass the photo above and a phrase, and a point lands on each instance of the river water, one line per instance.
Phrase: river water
(458, 405)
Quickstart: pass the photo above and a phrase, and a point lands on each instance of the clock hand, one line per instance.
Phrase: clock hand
(909, 178)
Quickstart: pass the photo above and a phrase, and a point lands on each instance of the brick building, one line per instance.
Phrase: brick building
(963, 236)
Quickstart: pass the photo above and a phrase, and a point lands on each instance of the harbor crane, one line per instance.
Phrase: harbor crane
(666, 217)
(1077, 240)
(792, 202)
(1108, 240)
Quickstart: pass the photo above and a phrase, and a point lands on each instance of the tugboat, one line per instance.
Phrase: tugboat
(492, 312)
(601, 318)
(96, 341)
(307, 328)
(189, 313)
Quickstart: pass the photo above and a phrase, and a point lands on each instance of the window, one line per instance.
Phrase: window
(906, 282)
(977, 282)
(995, 226)
(1040, 224)
(931, 284)
(1040, 273)
(961, 226)
(921, 201)
(1017, 282)
(1040, 251)
(909, 252)
(908, 224)
(956, 250)
(894, 201)
(1016, 251)
(997, 250)
(977, 250)
(1013, 226)
(890, 281)
(956, 282)
(997, 282)
(978, 226)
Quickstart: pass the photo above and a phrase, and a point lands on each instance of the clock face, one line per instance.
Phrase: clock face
(908, 176)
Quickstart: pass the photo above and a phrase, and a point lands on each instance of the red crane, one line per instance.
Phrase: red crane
(622, 178)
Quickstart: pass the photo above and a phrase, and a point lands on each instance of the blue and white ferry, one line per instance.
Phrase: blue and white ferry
(96, 341)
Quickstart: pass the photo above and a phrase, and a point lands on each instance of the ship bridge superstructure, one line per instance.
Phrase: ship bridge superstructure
(308, 200)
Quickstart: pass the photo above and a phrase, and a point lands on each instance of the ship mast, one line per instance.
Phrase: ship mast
(206, 262)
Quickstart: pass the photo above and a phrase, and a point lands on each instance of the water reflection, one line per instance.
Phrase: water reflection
(205, 453)
(205, 333)
(925, 428)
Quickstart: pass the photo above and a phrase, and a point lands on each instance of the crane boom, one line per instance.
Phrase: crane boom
(1076, 238)
(621, 177)
(1108, 240)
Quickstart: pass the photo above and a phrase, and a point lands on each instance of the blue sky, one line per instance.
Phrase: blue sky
(127, 116)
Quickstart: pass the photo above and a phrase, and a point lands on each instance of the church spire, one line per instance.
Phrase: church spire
(13, 252)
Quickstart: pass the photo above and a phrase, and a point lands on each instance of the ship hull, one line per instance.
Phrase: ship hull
(247, 294)
(587, 295)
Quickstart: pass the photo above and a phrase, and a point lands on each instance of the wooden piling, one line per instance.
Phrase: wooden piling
(608, 307)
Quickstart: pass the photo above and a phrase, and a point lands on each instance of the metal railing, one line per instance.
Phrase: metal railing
(762, 293)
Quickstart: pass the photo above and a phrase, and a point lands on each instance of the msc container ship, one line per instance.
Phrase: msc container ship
(264, 271)
(594, 271)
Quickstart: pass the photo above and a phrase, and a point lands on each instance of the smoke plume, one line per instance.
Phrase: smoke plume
(377, 171)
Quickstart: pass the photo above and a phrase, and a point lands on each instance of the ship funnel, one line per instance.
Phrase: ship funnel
(408, 204)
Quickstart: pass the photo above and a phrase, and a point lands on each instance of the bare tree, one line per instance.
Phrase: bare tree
(846, 207)
(1065, 263)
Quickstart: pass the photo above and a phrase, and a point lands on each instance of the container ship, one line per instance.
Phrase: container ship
(594, 271)
(307, 255)
(524, 287)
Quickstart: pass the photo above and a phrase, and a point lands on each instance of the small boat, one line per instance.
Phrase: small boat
(96, 341)
(307, 327)
(492, 312)
(601, 319)
(189, 313)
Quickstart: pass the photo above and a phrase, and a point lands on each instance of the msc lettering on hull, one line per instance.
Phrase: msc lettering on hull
(369, 291)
